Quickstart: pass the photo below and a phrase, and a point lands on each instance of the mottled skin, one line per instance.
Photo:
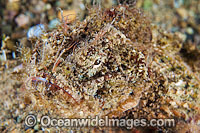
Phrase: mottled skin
(119, 64)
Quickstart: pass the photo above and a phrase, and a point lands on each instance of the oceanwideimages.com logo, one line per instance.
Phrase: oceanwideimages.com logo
(47, 121)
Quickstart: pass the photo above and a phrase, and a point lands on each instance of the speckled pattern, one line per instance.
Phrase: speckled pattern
(113, 63)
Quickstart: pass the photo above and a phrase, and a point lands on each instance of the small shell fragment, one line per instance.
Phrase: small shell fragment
(22, 20)
(53, 23)
(35, 31)
(69, 15)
